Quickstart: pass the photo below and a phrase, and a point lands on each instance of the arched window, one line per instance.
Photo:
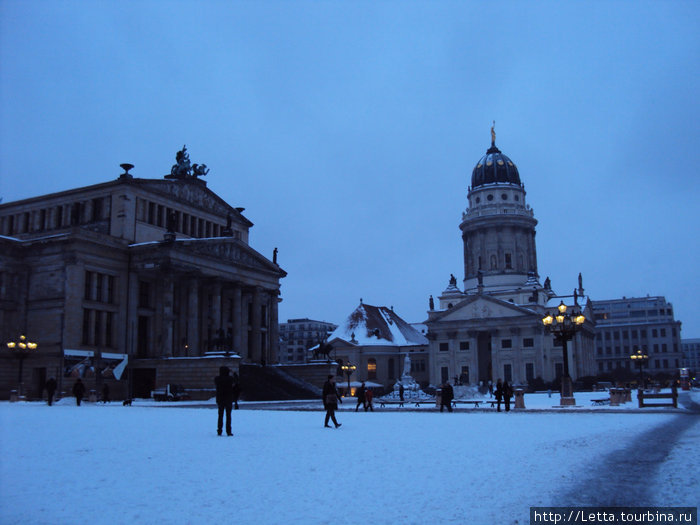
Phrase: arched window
(371, 368)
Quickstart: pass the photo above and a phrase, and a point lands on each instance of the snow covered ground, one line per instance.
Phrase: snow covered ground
(110, 464)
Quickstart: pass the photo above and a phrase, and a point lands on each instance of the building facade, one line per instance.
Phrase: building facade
(156, 273)
(297, 336)
(691, 354)
(376, 340)
(492, 327)
(626, 325)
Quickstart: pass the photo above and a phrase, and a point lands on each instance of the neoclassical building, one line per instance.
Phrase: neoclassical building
(154, 273)
(492, 327)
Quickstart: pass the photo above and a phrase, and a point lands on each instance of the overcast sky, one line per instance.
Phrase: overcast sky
(349, 130)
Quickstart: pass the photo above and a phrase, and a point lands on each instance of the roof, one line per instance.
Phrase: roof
(494, 167)
(377, 325)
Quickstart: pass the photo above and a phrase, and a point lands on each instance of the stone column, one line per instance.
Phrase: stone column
(168, 317)
(237, 321)
(273, 330)
(193, 319)
(255, 325)
(216, 310)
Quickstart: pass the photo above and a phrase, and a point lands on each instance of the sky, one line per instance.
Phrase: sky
(109, 464)
(349, 130)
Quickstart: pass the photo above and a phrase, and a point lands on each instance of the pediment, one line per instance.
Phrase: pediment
(483, 307)
(232, 251)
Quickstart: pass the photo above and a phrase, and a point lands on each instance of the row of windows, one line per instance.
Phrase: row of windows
(177, 221)
(612, 364)
(633, 334)
(54, 217)
(625, 350)
(463, 377)
(98, 328)
(99, 287)
(528, 342)
(662, 312)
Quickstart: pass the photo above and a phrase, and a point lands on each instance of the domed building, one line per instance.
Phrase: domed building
(492, 327)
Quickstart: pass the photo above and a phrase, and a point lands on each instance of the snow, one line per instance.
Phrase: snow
(163, 463)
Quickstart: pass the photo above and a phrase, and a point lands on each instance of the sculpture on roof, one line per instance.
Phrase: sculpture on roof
(453, 280)
(431, 303)
(493, 134)
(182, 169)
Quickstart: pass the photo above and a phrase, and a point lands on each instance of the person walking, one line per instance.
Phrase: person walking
(236, 390)
(51, 389)
(330, 401)
(499, 394)
(360, 393)
(224, 399)
(78, 391)
(368, 400)
(447, 396)
(507, 394)
(401, 391)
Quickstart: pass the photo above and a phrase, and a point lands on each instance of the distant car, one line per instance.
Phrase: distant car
(170, 393)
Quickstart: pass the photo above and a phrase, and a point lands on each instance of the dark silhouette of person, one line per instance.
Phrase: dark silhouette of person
(330, 401)
(105, 393)
(224, 399)
(360, 393)
(51, 389)
(78, 391)
(498, 393)
(236, 390)
(401, 391)
(368, 400)
(507, 394)
(447, 396)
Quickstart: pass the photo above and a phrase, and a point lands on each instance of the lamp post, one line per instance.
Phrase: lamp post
(563, 326)
(21, 349)
(640, 358)
(348, 368)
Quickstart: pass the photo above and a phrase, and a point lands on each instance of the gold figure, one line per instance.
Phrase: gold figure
(493, 134)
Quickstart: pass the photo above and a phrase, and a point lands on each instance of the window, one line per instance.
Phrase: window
(663, 332)
(508, 372)
(506, 343)
(464, 345)
(144, 294)
(504, 196)
(88, 285)
(444, 347)
(654, 332)
(528, 342)
(86, 326)
(529, 372)
(509, 262)
(371, 368)
(643, 334)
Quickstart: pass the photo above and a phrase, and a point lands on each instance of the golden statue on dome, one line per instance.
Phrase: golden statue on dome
(493, 134)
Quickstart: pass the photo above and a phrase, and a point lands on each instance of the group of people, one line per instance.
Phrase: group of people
(364, 398)
(503, 392)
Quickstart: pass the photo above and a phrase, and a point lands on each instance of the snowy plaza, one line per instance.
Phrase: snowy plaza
(164, 463)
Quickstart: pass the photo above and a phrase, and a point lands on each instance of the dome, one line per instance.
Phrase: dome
(495, 167)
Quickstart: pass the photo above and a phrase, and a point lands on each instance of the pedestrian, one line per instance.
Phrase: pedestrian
(401, 391)
(50, 389)
(447, 396)
(236, 390)
(330, 401)
(78, 391)
(368, 400)
(224, 399)
(105, 393)
(360, 393)
(499, 394)
(507, 394)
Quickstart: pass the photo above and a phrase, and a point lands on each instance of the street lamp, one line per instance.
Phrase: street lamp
(640, 358)
(348, 369)
(563, 326)
(21, 349)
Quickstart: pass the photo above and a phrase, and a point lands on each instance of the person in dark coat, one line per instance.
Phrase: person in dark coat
(224, 399)
(330, 401)
(78, 391)
(507, 394)
(50, 389)
(401, 391)
(448, 395)
(236, 390)
(105, 393)
(499, 394)
(360, 393)
(369, 395)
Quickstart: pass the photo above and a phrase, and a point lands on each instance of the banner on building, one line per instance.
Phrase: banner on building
(84, 364)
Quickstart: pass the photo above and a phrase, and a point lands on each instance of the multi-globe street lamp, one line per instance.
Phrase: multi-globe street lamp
(563, 326)
(640, 358)
(21, 349)
(348, 368)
